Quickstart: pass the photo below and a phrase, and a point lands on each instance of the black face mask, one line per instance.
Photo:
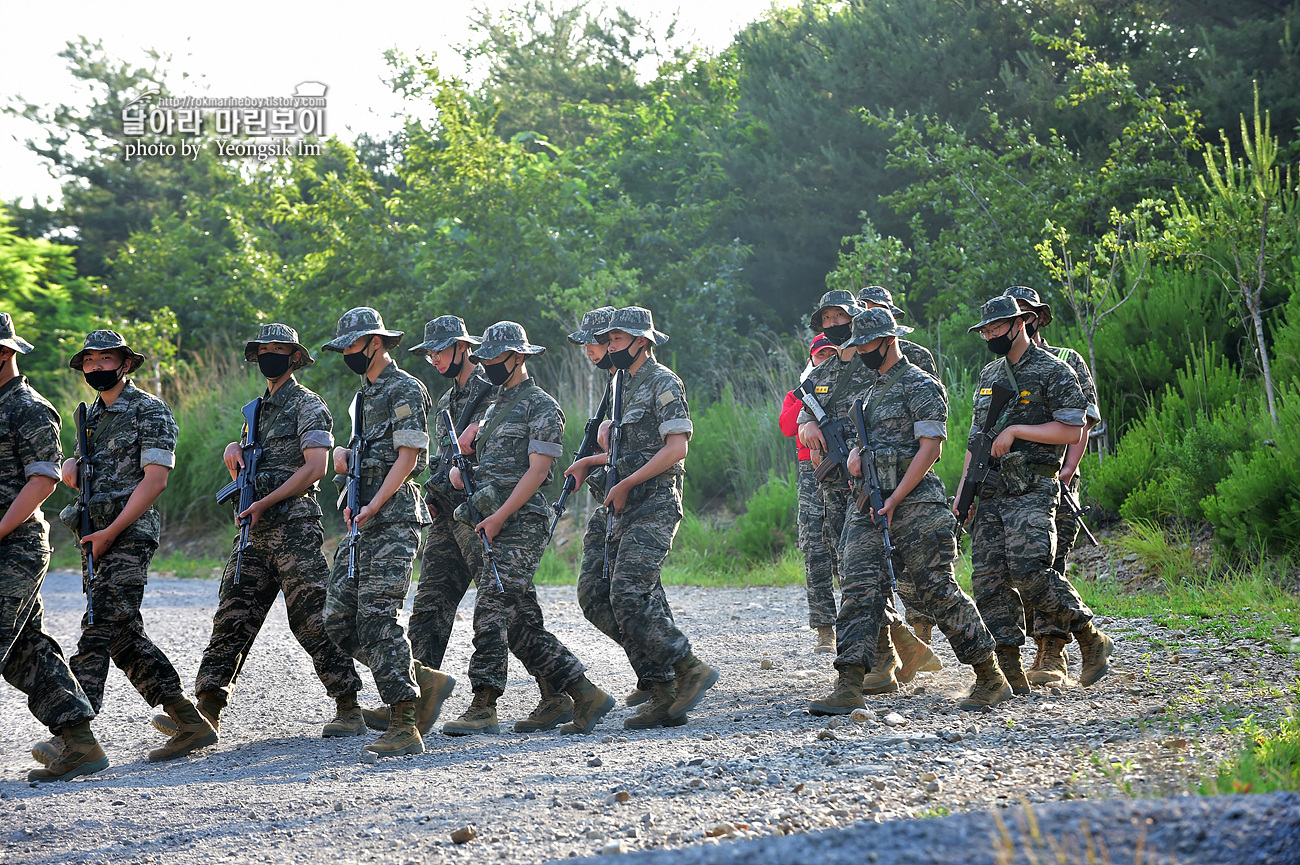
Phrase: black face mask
(454, 369)
(273, 365)
(104, 379)
(1031, 328)
(874, 359)
(605, 362)
(358, 361)
(623, 358)
(837, 333)
(1000, 345)
(497, 373)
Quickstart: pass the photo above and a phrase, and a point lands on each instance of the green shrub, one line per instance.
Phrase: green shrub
(735, 447)
(961, 384)
(1286, 343)
(1269, 759)
(768, 526)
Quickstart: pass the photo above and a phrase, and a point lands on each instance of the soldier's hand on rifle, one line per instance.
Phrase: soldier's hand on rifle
(581, 468)
(602, 435)
(99, 542)
(810, 435)
(617, 498)
(456, 480)
(855, 462)
(341, 460)
(1002, 444)
(887, 509)
(466, 438)
(234, 458)
(69, 472)
(363, 516)
(490, 526)
(1067, 474)
(253, 512)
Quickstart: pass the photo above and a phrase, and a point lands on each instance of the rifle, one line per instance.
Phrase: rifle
(586, 449)
(1067, 499)
(85, 475)
(872, 496)
(351, 495)
(980, 469)
(243, 485)
(837, 449)
(615, 440)
(461, 461)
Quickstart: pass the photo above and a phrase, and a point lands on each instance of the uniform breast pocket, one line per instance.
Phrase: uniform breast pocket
(893, 422)
(125, 439)
(633, 427)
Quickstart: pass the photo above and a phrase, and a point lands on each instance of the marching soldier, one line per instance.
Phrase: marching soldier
(132, 436)
(285, 537)
(1051, 664)
(906, 416)
(517, 444)
(361, 609)
(1013, 541)
(29, 657)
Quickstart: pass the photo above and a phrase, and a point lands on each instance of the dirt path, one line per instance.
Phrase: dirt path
(751, 763)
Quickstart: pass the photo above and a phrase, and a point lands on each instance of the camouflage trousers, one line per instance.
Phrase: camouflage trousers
(451, 556)
(361, 613)
(597, 601)
(643, 535)
(118, 633)
(1013, 545)
(1067, 534)
(514, 617)
(285, 556)
(839, 501)
(818, 571)
(30, 658)
(925, 547)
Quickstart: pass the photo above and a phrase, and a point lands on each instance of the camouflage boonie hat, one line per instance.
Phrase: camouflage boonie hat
(8, 338)
(444, 332)
(996, 309)
(502, 337)
(873, 324)
(592, 321)
(1029, 296)
(276, 332)
(636, 321)
(879, 294)
(107, 340)
(359, 322)
(838, 298)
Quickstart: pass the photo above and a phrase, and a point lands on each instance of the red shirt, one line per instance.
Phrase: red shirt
(790, 422)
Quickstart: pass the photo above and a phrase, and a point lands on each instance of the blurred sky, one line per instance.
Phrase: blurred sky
(265, 49)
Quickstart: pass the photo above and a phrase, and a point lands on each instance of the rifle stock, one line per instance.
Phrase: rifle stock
(587, 448)
(615, 445)
(351, 497)
(837, 449)
(980, 467)
(85, 477)
(243, 485)
(872, 496)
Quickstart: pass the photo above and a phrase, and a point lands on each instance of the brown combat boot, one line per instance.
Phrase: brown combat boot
(590, 704)
(1009, 662)
(193, 731)
(991, 687)
(693, 678)
(1095, 649)
(655, 712)
(637, 695)
(924, 632)
(47, 751)
(480, 717)
(435, 687)
(78, 755)
(347, 719)
(883, 676)
(402, 736)
(914, 655)
(847, 695)
(1050, 666)
(825, 640)
(553, 710)
(209, 703)
(376, 719)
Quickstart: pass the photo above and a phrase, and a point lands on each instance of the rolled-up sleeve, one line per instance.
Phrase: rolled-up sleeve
(1069, 416)
(677, 426)
(157, 457)
(41, 470)
(410, 413)
(317, 438)
(37, 441)
(158, 434)
(671, 409)
(315, 424)
(546, 449)
(930, 429)
(409, 438)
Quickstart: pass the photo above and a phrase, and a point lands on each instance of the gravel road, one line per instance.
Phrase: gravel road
(750, 764)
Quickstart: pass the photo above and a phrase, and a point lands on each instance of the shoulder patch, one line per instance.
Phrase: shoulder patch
(666, 397)
(402, 411)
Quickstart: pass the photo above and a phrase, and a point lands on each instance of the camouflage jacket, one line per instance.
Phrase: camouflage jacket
(1081, 371)
(290, 421)
(438, 490)
(137, 430)
(532, 424)
(395, 409)
(825, 383)
(654, 407)
(1049, 392)
(29, 441)
(904, 405)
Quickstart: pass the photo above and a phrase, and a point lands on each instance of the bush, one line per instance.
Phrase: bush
(736, 446)
(768, 526)
(961, 384)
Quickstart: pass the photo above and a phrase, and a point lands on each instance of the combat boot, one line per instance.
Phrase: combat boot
(402, 736)
(656, 712)
(693, 678)
(590, 704)
(78, 755)
(480, 717)
(347, 719)
(1095, 649)
(914, 655)
(825, 640)
(847, 695)
(1049, 666)
(47, 751)
(376, 719)
(209, 703)
(553, 710)
(991, 687)
(435, 687)
(192, 732)
(925, 633)
(637, 695)
(883, 676)
(1009, 662)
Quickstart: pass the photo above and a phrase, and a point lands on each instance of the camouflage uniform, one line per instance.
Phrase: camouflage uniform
(284, 553)
(137, 430)
(818, 567)
(1014, 533)
(522, 420)
(30, 658)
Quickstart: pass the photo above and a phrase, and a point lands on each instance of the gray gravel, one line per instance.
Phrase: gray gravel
(751, 764)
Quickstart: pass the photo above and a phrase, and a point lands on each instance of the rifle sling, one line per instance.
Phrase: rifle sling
(881, 387)
(503, 410)
(841, 385)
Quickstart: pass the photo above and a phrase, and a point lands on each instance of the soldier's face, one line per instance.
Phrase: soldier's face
(596, 353)
(97, 360)
(823, 355)
(618, 340)
(834, 316)
(442, 360)
(874, 345)
(362, 344)
(275, 348)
